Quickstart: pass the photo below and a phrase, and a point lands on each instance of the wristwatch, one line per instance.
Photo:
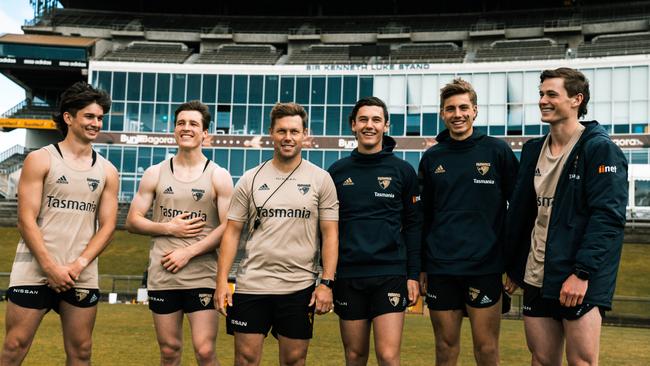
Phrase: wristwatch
(581, 274)
(328, 283)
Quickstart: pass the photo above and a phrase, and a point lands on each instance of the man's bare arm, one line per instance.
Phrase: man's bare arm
(228, 250)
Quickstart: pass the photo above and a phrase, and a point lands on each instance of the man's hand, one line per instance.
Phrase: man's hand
(573, 291)
(175, 260)
(322, 297)
(58, 278)
(75, 268)
(413, 287)
(222, 297)
(182, 227)
(510, 286)
(423, 283)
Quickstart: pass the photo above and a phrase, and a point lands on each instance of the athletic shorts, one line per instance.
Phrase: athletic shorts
(187, 300)
(369, 297)
(288, 315)
(539, 307)
(456, 292)
(43, 297)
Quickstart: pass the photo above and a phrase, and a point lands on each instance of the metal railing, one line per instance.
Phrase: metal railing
(16, 149)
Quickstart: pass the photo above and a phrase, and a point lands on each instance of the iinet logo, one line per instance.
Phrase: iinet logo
(606, 169)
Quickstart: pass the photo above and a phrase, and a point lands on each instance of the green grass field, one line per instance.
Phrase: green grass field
(124, 335)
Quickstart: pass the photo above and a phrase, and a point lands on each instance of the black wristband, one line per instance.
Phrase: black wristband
(328, 283)
(581, 274)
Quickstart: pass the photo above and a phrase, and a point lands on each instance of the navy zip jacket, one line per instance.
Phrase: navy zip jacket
(379, 215)
(586, 225)
(465, 188)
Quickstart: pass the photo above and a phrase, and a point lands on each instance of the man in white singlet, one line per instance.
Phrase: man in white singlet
(286, 201)
(190, 197)
(67, 209)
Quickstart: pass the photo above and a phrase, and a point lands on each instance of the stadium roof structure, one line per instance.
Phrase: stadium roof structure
(47, 40)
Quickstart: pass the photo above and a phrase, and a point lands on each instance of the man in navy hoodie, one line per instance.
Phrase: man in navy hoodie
(379, 239)
(565, 225)
(467, 179)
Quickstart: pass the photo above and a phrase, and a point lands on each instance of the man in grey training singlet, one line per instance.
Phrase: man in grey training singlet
(190, 197)
(65, 189)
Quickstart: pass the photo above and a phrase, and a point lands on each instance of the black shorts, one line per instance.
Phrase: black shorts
(43, 297)
(456, 292)
(369, 297)
(539, 307)
(287, 315)
(187, 300)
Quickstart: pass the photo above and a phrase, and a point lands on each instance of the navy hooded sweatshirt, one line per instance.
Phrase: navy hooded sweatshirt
(379, 215)
(465, 189)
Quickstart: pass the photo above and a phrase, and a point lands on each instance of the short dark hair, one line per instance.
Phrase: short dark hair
(195, 105)
(281, 110)
(456, 87)
(368, 101)
(77, 97)
(575, 83)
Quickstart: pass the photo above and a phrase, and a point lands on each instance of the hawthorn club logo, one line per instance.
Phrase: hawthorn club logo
(81, 293)
(205, 299)
(483, 168)
(92, 183)
(304, 188)
(197, 194)
(384, 182)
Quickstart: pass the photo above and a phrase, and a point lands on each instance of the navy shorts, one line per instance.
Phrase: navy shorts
(456, 292)
(187, 300)
(369, 297)
(539, 307)
(43, 297)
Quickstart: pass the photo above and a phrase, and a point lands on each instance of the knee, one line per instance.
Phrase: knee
(245, 357)
(81, 350)
(205, 354)
(13, 345)
(356, 356)
(581, 360)
(542, 359)
(388, 357)
(170, 351)
(486, 351)
(295, 357)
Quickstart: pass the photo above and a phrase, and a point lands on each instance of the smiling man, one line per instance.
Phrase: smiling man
(566, 225)
(67, 207)
(285, 202)
(466, 179)
(379, 239)
(190, 196)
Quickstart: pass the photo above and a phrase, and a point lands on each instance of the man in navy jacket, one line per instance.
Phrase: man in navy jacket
(379, 238)
(565, 224)
(467, 179)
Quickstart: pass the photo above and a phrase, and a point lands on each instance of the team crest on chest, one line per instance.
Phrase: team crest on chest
(205, 299)
(304, 188)
(92, 183)
(81, 293)
(483, 168)
(197, 194)
(384, 182)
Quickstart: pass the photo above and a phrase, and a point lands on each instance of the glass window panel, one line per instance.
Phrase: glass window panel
(515, 115)
(128, 160)
(159, 154)
(148, 86)
(641, 157)
(482, 117)
(413, 91)
(531, 87)
(317, 121)
(397, 94)
(236, 162)
(193, 87)
(603, 112)
(316, 157)
(267, 154)
(238, 120)
(119, 86)
(223, 118)
(266, 118)
(396, 124)
(213, 114)
(271, 89)
(639, 112)
(532, 115)
(365, 86)
(144, 159)
(252, 158)
(221, 157)
(127, 188)
(622, 128)
(413, 125)
(255, 120)
(330, 158)
(498, 89)
(349, 89)
(442, 81)
(497, 115)
(515, 87)
(104, 80)
(146, 117)
(430, 93)
(429, 124)
(161, 119)
(209, 92)
(532, 130)
(333, 90)
(621, 114)
(333, 121)
(133, 90)
(496, 130)
(345, 121)
(241, 89)
(413, 158)
(302, 90)
(224, 91)
(132, 122)
(603, 85)
(117, 116)
(162, 88)
(480, 84)
(115, 156)
(101, 150)
(318, 90)
(639, 80)
(255, 83)
(621, 83)
(286, 88)
(178, 88)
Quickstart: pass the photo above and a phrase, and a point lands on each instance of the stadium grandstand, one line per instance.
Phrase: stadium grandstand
(240, 58)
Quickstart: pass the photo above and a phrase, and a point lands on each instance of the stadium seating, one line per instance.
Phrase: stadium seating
(514, 50)
(618, 44)
(321, 54)
(429, 52)
(150, 52)
(240, 54)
